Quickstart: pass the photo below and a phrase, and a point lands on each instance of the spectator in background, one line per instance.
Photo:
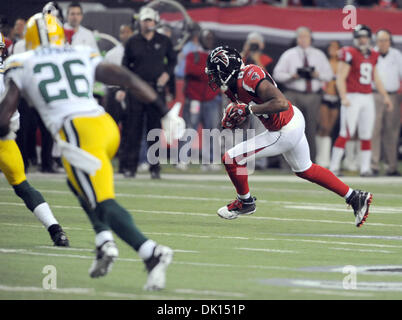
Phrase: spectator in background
(150, 55)
(329, 110)
(303, 70)
(252, 52)
(116, 98)
(387, 122)
(192, 45)
(17, 37)
(202, 105)
(76, 34)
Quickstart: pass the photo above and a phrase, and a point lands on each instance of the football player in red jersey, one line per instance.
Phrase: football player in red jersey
(253, 91)
(356, 72)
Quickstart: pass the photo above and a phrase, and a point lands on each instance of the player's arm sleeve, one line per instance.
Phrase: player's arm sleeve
(281, 71)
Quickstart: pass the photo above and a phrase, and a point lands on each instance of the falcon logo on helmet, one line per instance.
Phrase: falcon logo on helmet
(220, 55)
(223, 65)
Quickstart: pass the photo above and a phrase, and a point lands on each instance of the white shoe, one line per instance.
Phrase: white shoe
(182, 166)
(106, 254)
(156, 267)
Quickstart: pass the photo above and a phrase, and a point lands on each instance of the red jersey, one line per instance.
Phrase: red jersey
(247, 82)
(361, 73)
(196, 86)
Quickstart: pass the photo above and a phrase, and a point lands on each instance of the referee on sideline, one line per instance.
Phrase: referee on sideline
(150, 55)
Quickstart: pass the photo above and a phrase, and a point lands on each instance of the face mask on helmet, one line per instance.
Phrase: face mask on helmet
(361, 37)
(223, 65)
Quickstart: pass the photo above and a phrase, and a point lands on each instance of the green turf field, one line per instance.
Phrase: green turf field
(294, 247)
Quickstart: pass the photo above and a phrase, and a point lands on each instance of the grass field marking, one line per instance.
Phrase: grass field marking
(83, 291)
(92, 250)
(286, 204)
(362, 250)
(89, 292)
(267, 250)
(320, 207)
(278, 189)
(210, 293)
(326, 235)
(199, 264)
(288, 177)
(331, 292)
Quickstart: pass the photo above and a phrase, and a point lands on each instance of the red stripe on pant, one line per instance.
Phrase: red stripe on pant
(324, 178)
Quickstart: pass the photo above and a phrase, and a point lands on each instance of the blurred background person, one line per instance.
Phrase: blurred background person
(252, 52)
(387, 122)
(150, 55)
(76, 34)
(329, 110)
(193, 44)
(202, 104)
(17, 35)
(356, 72)
(302, 70)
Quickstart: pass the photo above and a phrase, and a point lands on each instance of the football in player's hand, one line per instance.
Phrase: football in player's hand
(235, 114)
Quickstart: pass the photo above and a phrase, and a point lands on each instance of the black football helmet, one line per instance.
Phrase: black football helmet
(359, 31)
(223, 66)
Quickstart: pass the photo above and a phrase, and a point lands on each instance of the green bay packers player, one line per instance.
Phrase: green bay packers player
(12, 165)
(57, 80)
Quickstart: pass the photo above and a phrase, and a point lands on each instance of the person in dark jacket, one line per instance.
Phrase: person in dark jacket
(150, 55)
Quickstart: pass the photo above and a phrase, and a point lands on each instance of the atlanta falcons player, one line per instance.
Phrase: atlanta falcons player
(253, 91)
(356, 72)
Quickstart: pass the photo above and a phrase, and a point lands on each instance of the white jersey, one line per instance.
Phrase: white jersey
(56, 81)
(15, 118)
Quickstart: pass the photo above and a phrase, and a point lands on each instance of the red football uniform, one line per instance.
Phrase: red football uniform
(247, 82)
(361, 73)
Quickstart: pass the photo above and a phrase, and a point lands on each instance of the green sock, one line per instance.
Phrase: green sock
(121, 222)
(29, 195)
(97, 224)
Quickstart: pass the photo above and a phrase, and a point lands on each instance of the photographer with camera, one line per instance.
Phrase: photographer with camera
(252, 51)
(302, 70)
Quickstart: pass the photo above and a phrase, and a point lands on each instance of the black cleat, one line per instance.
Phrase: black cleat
(58, 236)
(360, 202)
(238, 207)
(106, 254)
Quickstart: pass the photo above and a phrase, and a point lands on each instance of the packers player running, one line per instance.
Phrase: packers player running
(58, 81)
(12, 165)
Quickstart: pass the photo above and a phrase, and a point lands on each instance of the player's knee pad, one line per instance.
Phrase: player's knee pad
(29, 195)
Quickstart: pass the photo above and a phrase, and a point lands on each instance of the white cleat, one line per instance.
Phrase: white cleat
(156, 267)
(106, 254)
(237, 207)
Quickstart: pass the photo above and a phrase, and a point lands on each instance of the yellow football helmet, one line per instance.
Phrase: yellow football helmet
(43, 30)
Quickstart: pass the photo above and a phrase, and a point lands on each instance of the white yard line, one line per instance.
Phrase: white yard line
(199, 264)
(362, 250)
(267, 250)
